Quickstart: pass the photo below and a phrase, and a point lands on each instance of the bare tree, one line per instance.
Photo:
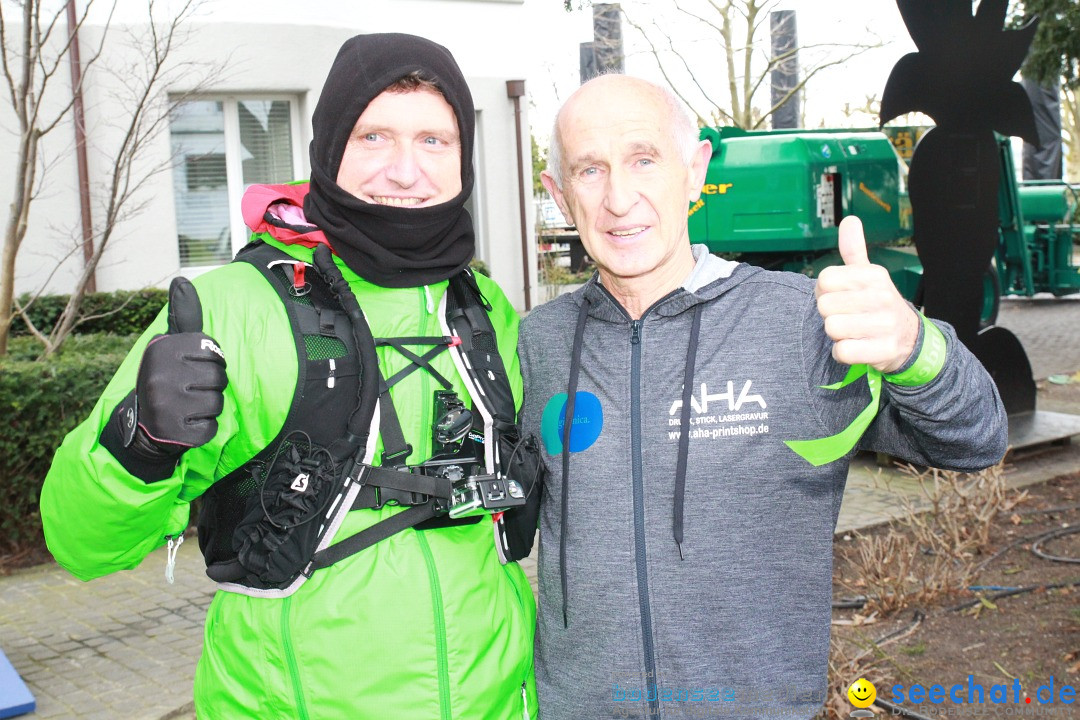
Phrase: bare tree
(1070, 125)
(866, 114)
(30, 68)
(739, 28)
(139, 112)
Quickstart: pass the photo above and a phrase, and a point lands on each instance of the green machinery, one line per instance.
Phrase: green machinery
(775, 199)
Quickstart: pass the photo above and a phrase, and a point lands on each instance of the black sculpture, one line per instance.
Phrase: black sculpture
(961, 77)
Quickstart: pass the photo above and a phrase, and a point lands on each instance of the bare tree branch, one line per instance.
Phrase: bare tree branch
(663, 70)
(741, 31)
(700, 18)
(142, 96)
(5, 61)
(801, 84)
(87, 63)
(22, 313)
(24, 307)
(148, 118)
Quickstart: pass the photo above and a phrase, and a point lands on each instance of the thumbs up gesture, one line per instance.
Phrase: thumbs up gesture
(181, 382)
(865, 315)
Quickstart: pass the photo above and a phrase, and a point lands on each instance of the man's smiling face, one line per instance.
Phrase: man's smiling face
(404, 151)
(627, 183)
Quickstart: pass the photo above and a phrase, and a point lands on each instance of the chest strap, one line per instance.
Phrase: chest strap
(382, 485)
(395, 449)
(374, 534)
(440, 345)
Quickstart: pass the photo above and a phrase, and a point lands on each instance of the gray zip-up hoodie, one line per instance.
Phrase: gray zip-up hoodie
(695, 582)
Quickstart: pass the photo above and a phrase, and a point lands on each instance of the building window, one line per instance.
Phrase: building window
(221, 147)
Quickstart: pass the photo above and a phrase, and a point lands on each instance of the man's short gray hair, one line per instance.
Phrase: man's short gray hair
(684, 132)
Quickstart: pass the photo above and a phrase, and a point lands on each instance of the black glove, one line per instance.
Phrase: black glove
(178, 394)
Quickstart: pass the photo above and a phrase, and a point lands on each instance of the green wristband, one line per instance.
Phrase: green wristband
(929, 362)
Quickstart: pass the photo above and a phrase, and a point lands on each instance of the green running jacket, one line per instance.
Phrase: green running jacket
(425, 624)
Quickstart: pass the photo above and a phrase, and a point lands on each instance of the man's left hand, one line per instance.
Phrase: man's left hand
(865, 315)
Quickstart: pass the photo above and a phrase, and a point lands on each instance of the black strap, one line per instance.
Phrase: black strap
(371, 497)
(356, 433)
(684, 427)
(405, 481)
(415, 340)
(568, 426)
(259, 255)
(395, 449)
(466, 316)
(368, 537)
(427, 495)
(418, 361)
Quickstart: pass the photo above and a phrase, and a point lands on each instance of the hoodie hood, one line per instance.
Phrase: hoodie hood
(279, 211)
(711, 277)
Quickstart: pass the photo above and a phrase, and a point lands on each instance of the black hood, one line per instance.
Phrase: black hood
(390, 246)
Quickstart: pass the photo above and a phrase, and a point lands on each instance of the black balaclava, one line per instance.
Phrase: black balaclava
(389, 246)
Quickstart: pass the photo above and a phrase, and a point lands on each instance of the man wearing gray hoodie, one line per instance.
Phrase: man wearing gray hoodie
(686, 530)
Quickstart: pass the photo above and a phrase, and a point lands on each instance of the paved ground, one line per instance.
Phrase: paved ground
(125, 646)
(1049, 330)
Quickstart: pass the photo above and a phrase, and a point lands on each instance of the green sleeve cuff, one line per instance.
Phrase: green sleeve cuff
(929, 362)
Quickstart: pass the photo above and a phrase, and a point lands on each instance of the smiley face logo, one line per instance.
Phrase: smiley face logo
(862, 693)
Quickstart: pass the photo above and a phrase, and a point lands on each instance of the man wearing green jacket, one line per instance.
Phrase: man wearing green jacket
(425, 622)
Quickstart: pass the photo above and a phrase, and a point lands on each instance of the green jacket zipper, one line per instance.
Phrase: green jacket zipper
(527, 650)
(290, 659)
(440, 628)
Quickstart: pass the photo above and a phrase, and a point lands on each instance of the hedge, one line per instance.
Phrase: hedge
(40, 402)
(122, 312)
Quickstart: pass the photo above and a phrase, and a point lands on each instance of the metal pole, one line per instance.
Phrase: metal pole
(515, 89)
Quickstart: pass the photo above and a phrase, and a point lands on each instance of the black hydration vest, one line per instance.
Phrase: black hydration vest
(266, 527)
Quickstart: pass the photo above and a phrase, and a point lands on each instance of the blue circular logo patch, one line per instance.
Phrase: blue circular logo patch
(588, 422)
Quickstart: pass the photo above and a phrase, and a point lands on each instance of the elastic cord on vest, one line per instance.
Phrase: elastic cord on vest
(359, 422)
(568, 424)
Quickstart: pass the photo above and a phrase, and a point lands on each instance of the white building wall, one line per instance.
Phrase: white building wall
(291, 52)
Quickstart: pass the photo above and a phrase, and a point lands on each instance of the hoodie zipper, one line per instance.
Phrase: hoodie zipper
(642, 568)
(639, 512)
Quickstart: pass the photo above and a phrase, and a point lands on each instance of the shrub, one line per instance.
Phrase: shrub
(929, 551)
(480, 266)
(122, 312)
(40, 402)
